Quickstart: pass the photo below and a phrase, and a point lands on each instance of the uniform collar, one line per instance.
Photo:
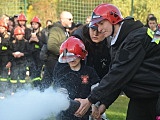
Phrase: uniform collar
(114, 39)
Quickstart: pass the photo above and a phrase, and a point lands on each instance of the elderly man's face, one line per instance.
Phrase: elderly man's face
(67, 19)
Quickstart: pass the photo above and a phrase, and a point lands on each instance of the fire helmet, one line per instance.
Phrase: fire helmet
(3, 24)
(19, 31)
(108, 12)
(37, 20)
(70, 49)
(21, 17)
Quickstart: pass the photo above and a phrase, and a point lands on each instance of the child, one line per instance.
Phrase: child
(73, 76)
(20, 50)
(36, 43)
(5, 63)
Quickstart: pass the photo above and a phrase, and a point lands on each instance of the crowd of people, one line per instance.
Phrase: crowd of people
(94, 62)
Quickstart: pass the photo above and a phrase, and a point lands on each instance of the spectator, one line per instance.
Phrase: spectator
(152, 24)
(147, 19)
(5, 61)
(20, 52)
(36, 43)
(46, 29)
(88, 19)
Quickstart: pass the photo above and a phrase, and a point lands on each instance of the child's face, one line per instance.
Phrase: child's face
(35, 25)
(19, 37)
(75, 63)
(22, 22)
(2, 29)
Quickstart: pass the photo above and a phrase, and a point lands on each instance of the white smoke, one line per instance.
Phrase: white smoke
(32, 105)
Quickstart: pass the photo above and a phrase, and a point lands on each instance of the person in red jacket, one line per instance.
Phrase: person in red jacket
(134, 69)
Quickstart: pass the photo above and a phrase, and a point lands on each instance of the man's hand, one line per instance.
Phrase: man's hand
(102, 109)
(95, 112)
(85, 105)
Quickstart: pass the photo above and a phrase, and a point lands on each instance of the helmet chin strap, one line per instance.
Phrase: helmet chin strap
(112, 30)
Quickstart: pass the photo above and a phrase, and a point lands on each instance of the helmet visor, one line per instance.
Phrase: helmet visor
(95, 21)
(67, 57)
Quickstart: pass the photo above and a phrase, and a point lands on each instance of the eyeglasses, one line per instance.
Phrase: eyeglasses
(70, 19)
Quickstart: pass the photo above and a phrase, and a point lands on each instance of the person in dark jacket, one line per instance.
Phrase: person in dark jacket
(71, 74)
(5, 61)
(97, 46)
(20, 52)
(36, 43)
(98, 51)
(133, 55)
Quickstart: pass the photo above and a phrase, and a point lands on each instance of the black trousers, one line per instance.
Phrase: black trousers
(142, 109)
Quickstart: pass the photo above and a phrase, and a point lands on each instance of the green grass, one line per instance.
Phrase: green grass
(117, 111)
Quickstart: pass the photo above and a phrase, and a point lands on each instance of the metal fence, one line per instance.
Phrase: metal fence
(12, 7)
(79, 8)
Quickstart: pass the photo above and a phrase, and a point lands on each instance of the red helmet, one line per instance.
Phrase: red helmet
(3, 24)
(71, 49)
(36, 19)
(22, 17)
(19, 31)
(106, 11)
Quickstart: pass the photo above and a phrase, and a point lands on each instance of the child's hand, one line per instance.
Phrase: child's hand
(15, 54)
(18, 54)
(35, 39)
(8, 65)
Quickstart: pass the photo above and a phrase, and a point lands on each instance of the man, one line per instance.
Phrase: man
(152, 24)
(133, 55)
(57, 35)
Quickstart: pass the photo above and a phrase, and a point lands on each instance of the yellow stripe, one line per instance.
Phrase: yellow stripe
(13, 81)
(3, 79)
(22, 81)
(36, 46)
(37, 78)
(4, 48)
(150, 32)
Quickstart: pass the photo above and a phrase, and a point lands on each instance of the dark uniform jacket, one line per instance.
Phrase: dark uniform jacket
(21, 46)
(135, 66)
(36, 46)
(78, 84)
(4, 44)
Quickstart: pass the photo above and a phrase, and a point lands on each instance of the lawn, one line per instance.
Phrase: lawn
(117, 111)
